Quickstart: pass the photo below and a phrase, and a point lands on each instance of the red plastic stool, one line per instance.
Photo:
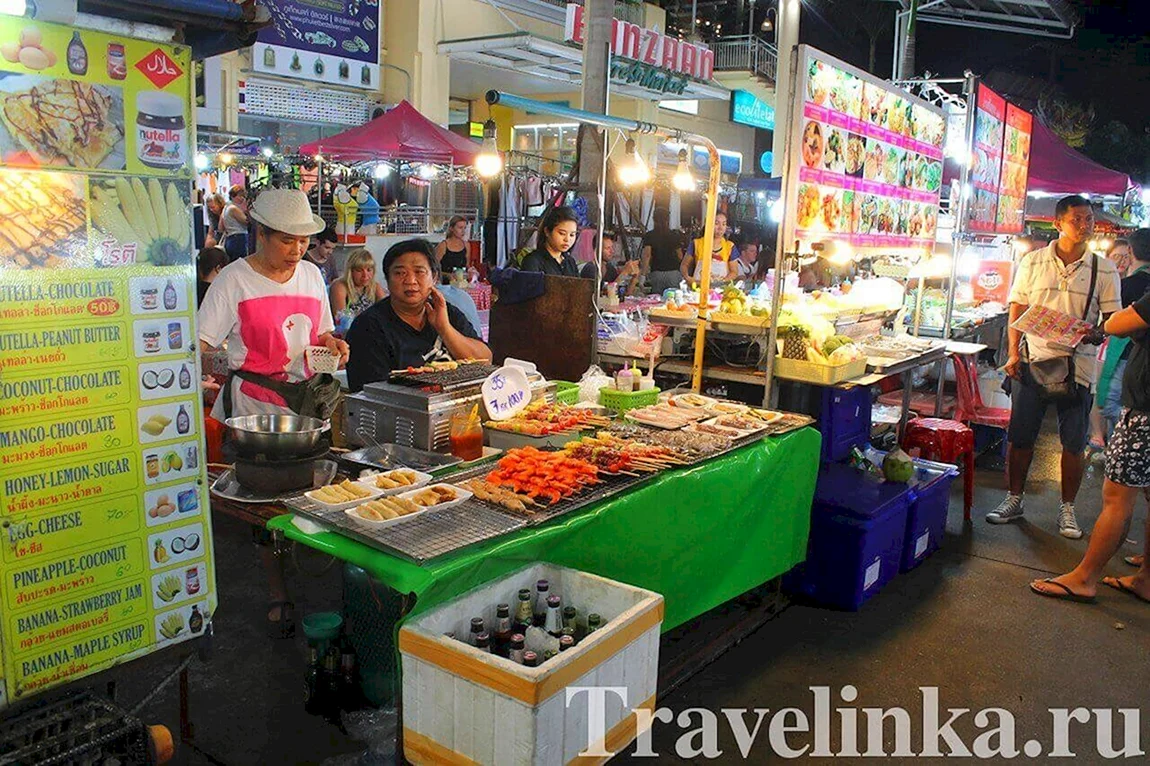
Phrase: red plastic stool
(945, 441)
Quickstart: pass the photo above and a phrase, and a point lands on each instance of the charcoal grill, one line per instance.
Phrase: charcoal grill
(444, 380)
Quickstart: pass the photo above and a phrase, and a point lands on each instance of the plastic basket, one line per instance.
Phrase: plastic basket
(819, 374)
(622, 401)
(566, 393)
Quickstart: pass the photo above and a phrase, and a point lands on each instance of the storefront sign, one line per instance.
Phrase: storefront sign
(322, 40)
(647, 76)
(647, 46)
(100, 414)
(991, 281)
(749, 109)
(867, 165)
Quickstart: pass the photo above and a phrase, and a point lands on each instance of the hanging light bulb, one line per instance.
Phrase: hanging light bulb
(427, 171)
(633, 171)
(318, 158)
(202, 162)
(226, 158)
(267, 152)
(488, 163)
(683, 180)
(381, 171)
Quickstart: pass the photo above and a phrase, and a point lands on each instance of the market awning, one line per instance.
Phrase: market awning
(1055, 168)
(1044, 18)
(1042, 209)
(551, 63)
(209, 27)
(400, 134)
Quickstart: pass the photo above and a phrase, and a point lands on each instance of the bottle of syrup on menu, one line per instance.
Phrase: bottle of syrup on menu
(77, 55)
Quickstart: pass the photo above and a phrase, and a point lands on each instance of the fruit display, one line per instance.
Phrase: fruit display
(796, 340)
(151, 213)
(172, 626)
(735, 302)
(538, 474)
(543, 419)
(898, 466)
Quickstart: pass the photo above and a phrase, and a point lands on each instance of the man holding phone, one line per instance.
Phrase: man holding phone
(1064, 277)
(413, 325)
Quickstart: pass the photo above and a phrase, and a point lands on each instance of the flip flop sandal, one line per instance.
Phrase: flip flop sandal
(1118, 585)
(1134, 561)
(1068, 595)
(284, 627)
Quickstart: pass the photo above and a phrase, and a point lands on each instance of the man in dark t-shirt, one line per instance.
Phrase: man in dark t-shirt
(414, 325)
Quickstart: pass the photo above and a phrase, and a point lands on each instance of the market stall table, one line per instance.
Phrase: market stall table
(700, 535)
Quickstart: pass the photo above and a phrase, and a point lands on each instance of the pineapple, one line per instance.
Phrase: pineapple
(795, 339)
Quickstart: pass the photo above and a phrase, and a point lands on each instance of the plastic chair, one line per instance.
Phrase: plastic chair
(970, 409)
(945, 441)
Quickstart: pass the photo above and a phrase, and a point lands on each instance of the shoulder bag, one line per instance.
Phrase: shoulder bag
(1055, 377)
(316, 397)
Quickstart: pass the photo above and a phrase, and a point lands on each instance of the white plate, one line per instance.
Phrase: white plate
(740, 431)
(421, 480)
(386, 522)
(731, 433)
(687, 401)
(461, 495)
(772, 417)
(376, 492)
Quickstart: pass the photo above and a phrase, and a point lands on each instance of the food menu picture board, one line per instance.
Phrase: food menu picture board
(869, 168)
(106, 552)
(986, 161)
(1015, 169)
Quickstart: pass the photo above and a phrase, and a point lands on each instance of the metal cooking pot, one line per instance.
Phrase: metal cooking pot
(276, 435)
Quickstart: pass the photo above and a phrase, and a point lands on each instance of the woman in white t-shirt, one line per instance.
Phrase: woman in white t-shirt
(269, 307)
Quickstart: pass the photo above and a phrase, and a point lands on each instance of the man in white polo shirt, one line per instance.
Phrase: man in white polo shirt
(1062, 276)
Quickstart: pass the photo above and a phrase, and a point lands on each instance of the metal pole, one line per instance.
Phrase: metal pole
(601, 193)
(789, 192)
(705, 272)
(694, 13)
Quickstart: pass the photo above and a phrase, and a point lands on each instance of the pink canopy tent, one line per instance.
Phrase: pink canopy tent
(1055, 168)
(400, 134)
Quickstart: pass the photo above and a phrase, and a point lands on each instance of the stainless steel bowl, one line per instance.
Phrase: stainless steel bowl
(276, 435)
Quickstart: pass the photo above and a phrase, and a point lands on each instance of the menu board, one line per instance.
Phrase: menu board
(986, 162)
(321, 40)
(1015, 168)
(106, 551)
(869, 165)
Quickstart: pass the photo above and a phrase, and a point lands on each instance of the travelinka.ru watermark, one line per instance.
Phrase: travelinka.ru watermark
(865, 732)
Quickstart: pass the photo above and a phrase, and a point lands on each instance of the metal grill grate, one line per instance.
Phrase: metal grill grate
(446, 380)
(422, 537)
(294, 102)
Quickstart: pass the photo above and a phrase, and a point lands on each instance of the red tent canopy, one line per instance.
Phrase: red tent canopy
(401, 134)
(1055, 168)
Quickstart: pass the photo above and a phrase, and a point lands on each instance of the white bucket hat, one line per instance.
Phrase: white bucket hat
(286, 210)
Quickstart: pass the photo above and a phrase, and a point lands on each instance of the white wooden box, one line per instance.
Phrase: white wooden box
(463, 706)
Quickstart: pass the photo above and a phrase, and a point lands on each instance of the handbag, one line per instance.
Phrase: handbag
(316, 397)
(1055, 377)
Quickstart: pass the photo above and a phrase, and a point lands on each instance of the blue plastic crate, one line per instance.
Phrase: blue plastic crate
(844, 420)
(850, 559)
(926, 516)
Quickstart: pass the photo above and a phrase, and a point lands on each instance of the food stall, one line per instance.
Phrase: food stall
(108, 553)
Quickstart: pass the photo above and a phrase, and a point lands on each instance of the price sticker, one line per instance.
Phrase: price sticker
(506, 392)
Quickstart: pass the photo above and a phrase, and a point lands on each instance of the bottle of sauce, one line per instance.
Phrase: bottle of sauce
(185, 377)
(170, 298)
(196, 620)
(183, 422)
(77, 56)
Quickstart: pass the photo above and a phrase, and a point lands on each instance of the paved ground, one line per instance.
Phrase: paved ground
(963, 622)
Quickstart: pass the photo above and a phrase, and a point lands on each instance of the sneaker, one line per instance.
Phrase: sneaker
(1007, 511)
(1068, 522)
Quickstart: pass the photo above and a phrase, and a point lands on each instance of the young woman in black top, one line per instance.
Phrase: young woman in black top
(662, 254)
(557, 234)
(452, 251)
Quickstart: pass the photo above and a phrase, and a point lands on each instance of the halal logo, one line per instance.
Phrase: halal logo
(158, 67)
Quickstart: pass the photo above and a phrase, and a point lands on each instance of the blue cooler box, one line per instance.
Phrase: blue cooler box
(844, 420)
(858, 529)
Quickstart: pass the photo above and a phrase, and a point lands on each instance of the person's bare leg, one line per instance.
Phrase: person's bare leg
(1139, 582)
(1105, 540)
(1097, 428)
(1073, 466)
(277, 585)
(1018, 467)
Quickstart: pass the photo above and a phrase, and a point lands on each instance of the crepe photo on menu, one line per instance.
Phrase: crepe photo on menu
(44, 218)
(55, 121)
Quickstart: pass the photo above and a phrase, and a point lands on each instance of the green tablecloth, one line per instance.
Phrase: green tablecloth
(699, 536)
